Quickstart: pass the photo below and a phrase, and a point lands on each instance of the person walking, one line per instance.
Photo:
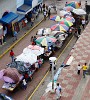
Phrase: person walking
(84, 67)
(32, 21)
(45, 14)
(79, 68)
(12, 55)
(58, 91)
(66, 4)
(15, 35)
(79, 31)
(83, 23)
(49, 13)
(85, 4)
(4, 34)
(24, 84)
(32, 38)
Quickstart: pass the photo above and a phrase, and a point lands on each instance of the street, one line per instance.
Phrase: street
(20, 94)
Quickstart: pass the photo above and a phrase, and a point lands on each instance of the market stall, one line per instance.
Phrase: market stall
(44, 31)
(11, 78)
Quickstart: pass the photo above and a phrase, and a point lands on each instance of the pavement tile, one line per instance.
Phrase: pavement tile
(69, 80)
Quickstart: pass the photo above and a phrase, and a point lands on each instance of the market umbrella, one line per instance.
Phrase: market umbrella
(74, 4)
(34, 47)
(5, 78)
(64, 13)
(46, 40)
(66, 22)
(55, 32)
(70, 18)
(59, 27)
(8, 79)
(68, 8)
(10, 75)
(79, 11)
(55, 18)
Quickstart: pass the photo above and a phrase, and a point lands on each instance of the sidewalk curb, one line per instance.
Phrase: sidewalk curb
(12, 46)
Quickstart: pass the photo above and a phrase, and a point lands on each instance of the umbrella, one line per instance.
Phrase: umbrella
(79, 11)
(63, 13)
(60, 27)
(10, 75)
(46, 40)
(55, 18)
(74, 4)
(68, 8)
(34, 47)
(55, 32)
(38, 51)
(8, 79)
(69, 18)
(66, 22)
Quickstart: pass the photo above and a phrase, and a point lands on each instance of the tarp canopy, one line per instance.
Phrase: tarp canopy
(7, 19)
(10, 75)
(24, 9)
(27, 58)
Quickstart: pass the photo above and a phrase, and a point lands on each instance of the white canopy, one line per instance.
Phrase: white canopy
(27, 58)
(79, 11)
(36, 52)
(44, 31)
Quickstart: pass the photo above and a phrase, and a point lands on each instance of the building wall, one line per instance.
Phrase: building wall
(7, 5)
(19, 3)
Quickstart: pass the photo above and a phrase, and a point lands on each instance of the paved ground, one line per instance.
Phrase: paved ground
(70, 88)
(75, 87)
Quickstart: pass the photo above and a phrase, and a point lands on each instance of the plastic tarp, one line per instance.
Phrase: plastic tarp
(27, 58)
(44, 31)
(24, 8)
(10, 75)
(8, 18)
(36, 52)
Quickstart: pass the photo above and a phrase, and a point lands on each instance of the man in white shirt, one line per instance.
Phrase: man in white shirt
(45, 14)
(58, 91)
(83, 23)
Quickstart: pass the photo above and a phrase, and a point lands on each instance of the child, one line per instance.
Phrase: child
(79, 68)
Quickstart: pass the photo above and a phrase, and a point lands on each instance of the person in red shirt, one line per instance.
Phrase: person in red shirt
(12, 55)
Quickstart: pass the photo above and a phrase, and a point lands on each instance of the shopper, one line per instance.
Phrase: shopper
(4, 34)
(84, 67)
(15, 35)
(44, 7)
(32, 21)
(45, 14)
(65, 4)
(12, 55)
(79, 68)
(85, 4)
(31, 38)
(79, 31)
(49, 13)
(24, 84)
(58, 91)
(83, 23)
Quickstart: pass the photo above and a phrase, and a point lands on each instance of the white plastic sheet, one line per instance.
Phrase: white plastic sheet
(27, 58)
